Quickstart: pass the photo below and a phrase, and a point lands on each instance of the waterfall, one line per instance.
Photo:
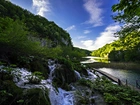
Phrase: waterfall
(61, 97)
(91, 75)
(78, 76)
(57, 97)
(52, 66)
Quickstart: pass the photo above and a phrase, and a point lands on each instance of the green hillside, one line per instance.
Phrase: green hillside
(24, 35)
(37, 26)
(124, 49)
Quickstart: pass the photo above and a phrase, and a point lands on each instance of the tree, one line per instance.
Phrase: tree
(128, 13)
(14, 39)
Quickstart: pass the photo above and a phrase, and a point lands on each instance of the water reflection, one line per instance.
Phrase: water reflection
(95, 59)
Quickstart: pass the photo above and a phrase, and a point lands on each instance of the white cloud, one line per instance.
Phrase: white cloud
(87, 43)
(70, 28)
(87, 31)
(41, 6)
(93, 8)
(105, 37)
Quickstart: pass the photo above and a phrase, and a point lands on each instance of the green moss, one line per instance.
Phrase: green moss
(80, 68)
(36, 96)
(39, 65)
(9, 92)
(85, 82)
(66, 62)
(111, 99)
(64, 76)
(5, 76)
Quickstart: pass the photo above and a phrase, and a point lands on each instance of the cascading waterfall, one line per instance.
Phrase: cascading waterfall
(61, 97)
(57, 97)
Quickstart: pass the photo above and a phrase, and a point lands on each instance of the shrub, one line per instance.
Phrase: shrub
(85, 82)
(115, 94)
(36, 96)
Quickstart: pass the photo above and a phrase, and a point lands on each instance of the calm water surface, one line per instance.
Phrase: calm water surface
(130, 75)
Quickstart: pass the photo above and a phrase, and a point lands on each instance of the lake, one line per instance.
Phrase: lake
(123, 74)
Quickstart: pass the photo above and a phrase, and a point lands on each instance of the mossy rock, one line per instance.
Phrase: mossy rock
(11, 87)
(85, 82)
(5, 76)
(65, 62)
(10, 93)
(41, 66)
(80, 68)
(64, 76)
(36, 96)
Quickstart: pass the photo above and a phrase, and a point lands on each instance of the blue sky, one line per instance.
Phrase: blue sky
(88, 22)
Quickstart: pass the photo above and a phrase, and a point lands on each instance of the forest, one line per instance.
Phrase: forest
(127, 47)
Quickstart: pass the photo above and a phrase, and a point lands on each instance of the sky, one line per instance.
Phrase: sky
(88, 22)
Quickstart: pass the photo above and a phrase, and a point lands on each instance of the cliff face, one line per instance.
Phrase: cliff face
(38, 26)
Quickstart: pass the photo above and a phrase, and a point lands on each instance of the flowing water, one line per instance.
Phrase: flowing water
(57, 97)
(130, 75)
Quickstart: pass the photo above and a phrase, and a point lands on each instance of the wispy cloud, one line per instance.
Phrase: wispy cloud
(87, 31)
(70, 28)
(105, 37)
(41, 6)
(81, 37)
(93, 8)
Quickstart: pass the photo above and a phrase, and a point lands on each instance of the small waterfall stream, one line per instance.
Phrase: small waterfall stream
(61, 97)
(57, 97)
(77, 74)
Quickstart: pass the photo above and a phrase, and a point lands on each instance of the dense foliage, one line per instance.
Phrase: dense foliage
(124, 49)
(37, 26)
(116, 95)
(128, 13)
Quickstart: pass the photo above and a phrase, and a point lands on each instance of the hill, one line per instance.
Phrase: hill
(25, 36)
(125, 49)
(37, 26)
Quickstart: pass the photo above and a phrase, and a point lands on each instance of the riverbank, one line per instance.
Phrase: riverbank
(115, 65)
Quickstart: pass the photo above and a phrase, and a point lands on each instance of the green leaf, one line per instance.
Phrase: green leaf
(20, 101)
